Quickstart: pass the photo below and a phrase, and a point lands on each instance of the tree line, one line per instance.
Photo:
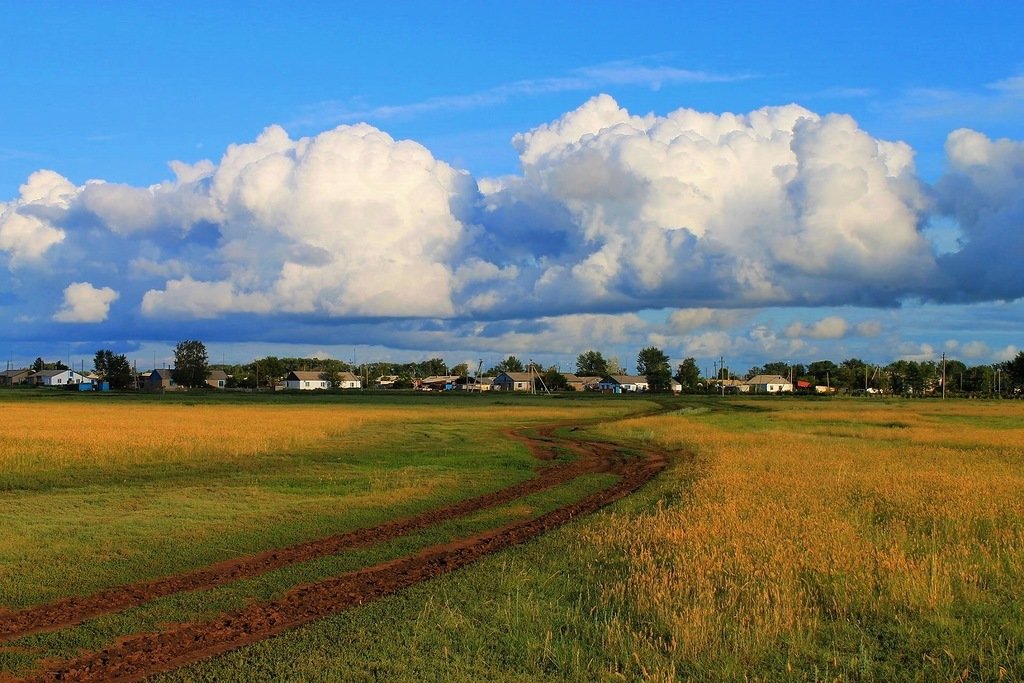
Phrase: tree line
(901, 377)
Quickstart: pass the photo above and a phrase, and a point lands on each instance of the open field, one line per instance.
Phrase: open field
(849, 540)
(123, 490)
(787, 540)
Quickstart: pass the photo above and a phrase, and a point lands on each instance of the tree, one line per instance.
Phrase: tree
(850, 375)
(191, 364)
(510, 364)
(905, 377)
(778, 367)
(265, 371)
(978, 379)
(824, 372)
(461, 370)
(1015, 370)
(552, 379)
(955, 371)
(100, 360)
(591, 364)
(653, 364)
(114, 368)
(434, 366)
(39, 364)
(689, 375)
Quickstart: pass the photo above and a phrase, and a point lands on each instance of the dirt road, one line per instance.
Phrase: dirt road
(135, 657)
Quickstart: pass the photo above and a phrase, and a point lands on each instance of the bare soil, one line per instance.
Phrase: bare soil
(135, 657)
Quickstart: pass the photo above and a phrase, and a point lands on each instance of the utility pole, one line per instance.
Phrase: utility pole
(722, 367)
(943, 375)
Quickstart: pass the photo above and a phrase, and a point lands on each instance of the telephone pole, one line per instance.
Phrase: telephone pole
(943, 375)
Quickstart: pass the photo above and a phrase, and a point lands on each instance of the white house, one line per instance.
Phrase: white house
(618, 384)
(56, 378)
(769, 384)
(306, 381)
(348, 380)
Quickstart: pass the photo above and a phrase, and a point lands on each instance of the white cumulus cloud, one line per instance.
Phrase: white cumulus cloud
(831, 327)
(84, 303)
(347, 223)
(705, 216)
(26, 227)
(778, 206)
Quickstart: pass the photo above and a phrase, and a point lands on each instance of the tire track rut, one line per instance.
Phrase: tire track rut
(137, 656)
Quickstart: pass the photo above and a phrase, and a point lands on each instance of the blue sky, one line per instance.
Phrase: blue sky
(466, 244)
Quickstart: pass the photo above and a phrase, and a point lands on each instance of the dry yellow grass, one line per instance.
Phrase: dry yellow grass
(813, 522)
(73, 435)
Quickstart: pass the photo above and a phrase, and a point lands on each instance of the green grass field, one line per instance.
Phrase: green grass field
(832, 540)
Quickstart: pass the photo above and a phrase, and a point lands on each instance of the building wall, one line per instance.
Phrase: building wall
(305, 384)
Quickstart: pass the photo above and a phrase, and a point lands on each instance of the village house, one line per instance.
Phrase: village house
(581, 383)
(729, 386)
(769, 384)
(475, 383)
(436, 383)
(55, 378)
(217, 379)
(386, 381)
(618, 384)
(303, 380)
(8, 378)
(348, 380)
(513, 381)
(160, 379)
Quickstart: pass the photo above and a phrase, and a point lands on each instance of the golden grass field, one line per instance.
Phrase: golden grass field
(812, 526)
(83, 434)
(101, 492)
(809, 540)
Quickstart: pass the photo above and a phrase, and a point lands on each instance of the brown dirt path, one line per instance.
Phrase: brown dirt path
(135, 657)
(74, 610)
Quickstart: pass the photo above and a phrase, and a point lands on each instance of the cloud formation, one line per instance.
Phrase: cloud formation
(777, 207)
(84, 303)
(26, 231)
(983, 191)
(832, 327)
(707, 216)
